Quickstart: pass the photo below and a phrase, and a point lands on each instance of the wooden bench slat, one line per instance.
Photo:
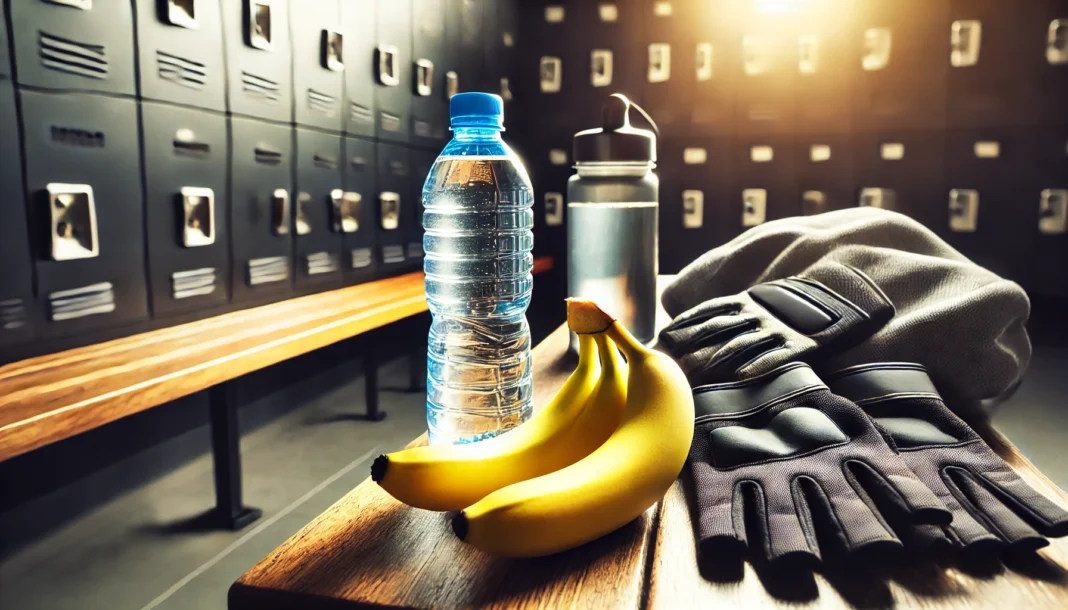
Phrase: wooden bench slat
(49, 398)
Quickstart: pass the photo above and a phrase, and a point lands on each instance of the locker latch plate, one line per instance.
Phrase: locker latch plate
(389, 210)
(876, 198)
(73, 213)
(693, 209)
(554, 209)
(259, 24)
(280, 211)
(754, 207)
(876, 49)
(963, 210)
(386, 65)
(601, 67)
(1053, 212)
(550, 74)
(347, 206)
(198, 216)
(424, 77)
(332, 45)
(659, 62)
(966, 36)
(182, 13)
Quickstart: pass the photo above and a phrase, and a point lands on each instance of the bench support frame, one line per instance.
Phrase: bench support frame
(230, 511)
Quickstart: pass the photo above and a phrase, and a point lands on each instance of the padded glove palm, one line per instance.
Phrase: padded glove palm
(753, 332)
(782, 465)
(991, 505)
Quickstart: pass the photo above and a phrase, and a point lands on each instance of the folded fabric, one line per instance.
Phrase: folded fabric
(783, 467)
(964, 323)
(991, 505)
(770, 324)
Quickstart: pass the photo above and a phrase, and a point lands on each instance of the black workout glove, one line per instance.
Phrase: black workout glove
(770, 324)
(783, 466)
(991, 505)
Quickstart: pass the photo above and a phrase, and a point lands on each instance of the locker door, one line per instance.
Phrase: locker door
(991, 214)
(88, 216)
(824, 165)
(321, 214)
(358, 22)
(904, 172)
(551, 71)
(16, 273)
(698, 206)
(261, 202)
(766, 181)
(548, 163)
(358, 253)
(827, 50)
(430, 110)
(666, 62)
(258, 56)
(610, 61)
(186, 212)
(1051, 202)
(85, 46)
(395, 209)
(998, 57)
(180, 45)
(770, 55)
(717, 68)
(318, 64)
(394, 72)
(900, 78)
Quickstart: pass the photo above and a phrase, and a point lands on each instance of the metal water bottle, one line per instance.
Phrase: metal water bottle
(612, 210)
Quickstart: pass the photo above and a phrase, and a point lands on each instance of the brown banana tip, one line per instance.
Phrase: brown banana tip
(586, 317)
(379, 467)
(459, 525)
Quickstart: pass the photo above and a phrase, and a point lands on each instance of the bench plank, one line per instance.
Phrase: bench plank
(52, 397)
(369, 550)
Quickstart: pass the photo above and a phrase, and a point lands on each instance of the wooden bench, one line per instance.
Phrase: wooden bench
(50, 398)
(370, 551)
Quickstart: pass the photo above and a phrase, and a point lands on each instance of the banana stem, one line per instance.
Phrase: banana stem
(626, 341)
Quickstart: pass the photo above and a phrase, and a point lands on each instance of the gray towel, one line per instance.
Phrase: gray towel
(964, 323)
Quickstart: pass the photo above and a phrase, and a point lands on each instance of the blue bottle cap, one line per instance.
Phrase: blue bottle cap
(476, 110)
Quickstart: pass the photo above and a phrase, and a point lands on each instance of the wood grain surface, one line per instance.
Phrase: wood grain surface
(49, 398)
(369, 551)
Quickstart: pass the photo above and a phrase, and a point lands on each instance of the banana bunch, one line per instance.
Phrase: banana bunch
(605, 449)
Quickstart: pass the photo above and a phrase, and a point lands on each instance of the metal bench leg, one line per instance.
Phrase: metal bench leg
(226, 451)
(370, 377)
(416, 371)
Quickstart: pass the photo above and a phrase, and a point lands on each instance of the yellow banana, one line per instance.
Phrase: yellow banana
(450, 477)
(610, 487)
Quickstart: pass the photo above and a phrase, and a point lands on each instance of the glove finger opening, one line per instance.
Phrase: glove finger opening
(995, 509)
(843, 522)
(776, 520)
(901, 501)
(716, 330)
(742, 351)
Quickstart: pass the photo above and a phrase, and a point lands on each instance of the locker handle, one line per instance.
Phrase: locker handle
(183, 145)
(280, 211)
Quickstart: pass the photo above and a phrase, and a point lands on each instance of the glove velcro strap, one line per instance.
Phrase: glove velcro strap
(868, 384)
(736, 398)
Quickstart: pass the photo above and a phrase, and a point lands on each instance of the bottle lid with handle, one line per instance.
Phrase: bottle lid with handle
(616, 141)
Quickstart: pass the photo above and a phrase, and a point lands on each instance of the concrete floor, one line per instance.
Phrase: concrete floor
(140, 551)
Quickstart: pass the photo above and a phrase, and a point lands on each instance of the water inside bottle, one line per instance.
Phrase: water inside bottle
(478, 263)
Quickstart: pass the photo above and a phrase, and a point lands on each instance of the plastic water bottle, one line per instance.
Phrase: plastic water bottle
(478, 219)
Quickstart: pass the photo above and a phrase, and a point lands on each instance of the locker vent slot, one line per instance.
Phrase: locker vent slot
(390, 122)
(13, 313)
(415, 249)
(191, 148)
(362, 257)
(81, 302)
(360, 114)
(88, 60)
(181, 71)
(322, 103)
(322, 262)
(267, 156)
(193, 283)
(260, 88)
(325, 160)
(267, 270)
(393, 254)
